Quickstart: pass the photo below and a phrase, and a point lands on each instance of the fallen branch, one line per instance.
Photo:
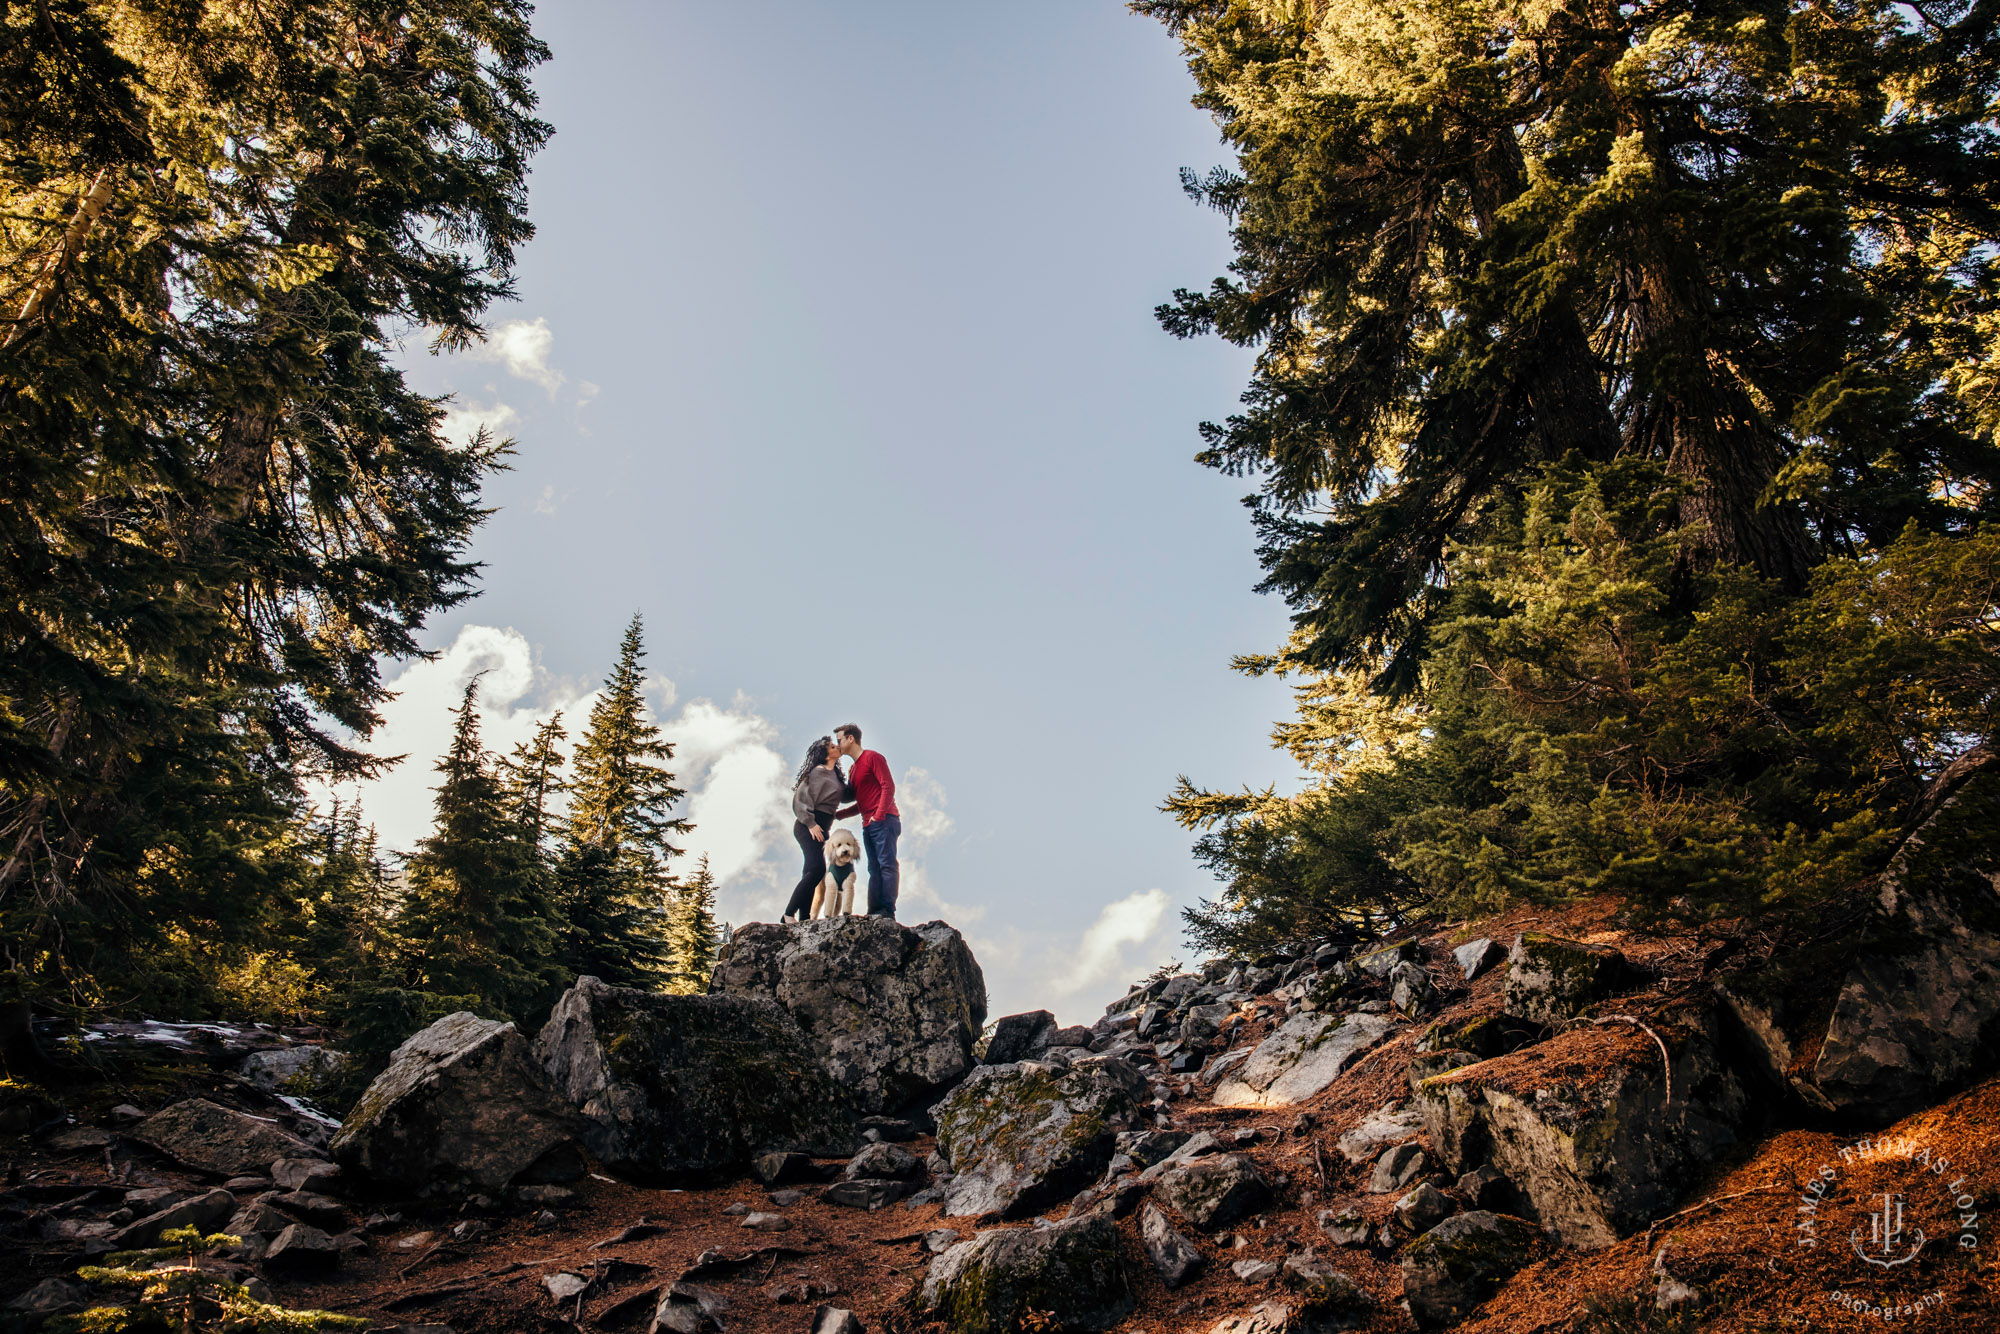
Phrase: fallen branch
(1712, 1200)
(1666, 1060)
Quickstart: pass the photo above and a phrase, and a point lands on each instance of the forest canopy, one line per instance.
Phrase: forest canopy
(1623, 423)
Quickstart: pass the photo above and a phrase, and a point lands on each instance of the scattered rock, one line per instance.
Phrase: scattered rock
(1380, 963)
(564, 1287)
(1392, 1123)
(221, 1140)
(1673, 1295)
(248, 1185)
(1476, 956)
(1347, 1228)
(869, 1195)
(462, 1107)
(890, 1162)
(1269, 1318)
(763, 1222)
(779, 1168)
(1073, 1273)
(1076, 1035)
(1550, 979)
(545, 1195)
(77, 1139)
(1213, 1072)
(1173, 1256)
(1459, 1263)
(833, 1320)
(1425, 1065)
(895, 1129)
(1396, 1168)
(301, 1248)
(737, 1210)
(313, 1208)
(1020, 1138)
(1254, 1271)
(785, 1199)
(1303, 1056)
(51, 1297)
(1212, 1191)
(203, 1211)
(893, 1011)
(256, 1219)
(1115, 1198)
(1421, 1210)
(314, 1174)
(282, 1069)
(679, 1086)
(1410, 990)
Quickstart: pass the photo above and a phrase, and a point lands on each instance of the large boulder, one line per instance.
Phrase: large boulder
(1458, 1264)
(1072, 1275)
(463, 1106)
(1018, 1037)
(1583, 1127)
(690, 1086)
(217, 1139)
(1550, 979)
(1020, 1138)
(1210, 1192)
(1305, 1054)
(892, 1010)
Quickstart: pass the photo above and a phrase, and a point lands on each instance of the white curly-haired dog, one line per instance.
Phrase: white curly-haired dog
(836, 892)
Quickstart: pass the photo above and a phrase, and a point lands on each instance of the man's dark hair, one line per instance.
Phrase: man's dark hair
(849, 729)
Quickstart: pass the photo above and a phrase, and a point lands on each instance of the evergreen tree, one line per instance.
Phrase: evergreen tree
(612, 869)
(533, 778)
(477, 920)
(692, 933)
(220, 504)
(1751, 242)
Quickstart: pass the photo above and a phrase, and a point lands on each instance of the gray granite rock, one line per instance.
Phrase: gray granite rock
(1020, 1138)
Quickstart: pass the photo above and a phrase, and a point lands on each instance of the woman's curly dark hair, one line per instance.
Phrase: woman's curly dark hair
(815, 757)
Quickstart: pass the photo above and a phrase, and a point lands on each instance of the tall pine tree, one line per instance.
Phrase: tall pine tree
(478, 917)
(691, 936)
(221, 507)
(613, 867)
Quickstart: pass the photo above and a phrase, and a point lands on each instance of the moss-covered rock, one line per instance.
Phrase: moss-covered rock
(463, 1107)
(893, 1011)
(1072, 1275)
(1025, 1136)
(1550, 979)
(1451, 1269)
(1582, 1125)
(690, 1086)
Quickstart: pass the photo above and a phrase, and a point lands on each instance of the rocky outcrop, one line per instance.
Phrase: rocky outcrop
(218, 1139)
(1458, 1264)
(1022, 1137)
(892, 1010)
(1550, 979)
(1072, 1275)
(1582, 1124)
(689, 1086)
(1018, 1037)
(1307, 1053)
(463, 1106)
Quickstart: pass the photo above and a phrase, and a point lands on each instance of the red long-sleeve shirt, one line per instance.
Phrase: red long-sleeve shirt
(874, 790)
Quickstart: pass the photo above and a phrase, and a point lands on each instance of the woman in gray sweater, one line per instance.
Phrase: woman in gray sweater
(816, 804)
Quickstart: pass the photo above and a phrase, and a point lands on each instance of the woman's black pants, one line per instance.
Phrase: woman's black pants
(815, 851)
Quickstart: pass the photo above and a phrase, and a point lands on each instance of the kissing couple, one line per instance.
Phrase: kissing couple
(823, 795)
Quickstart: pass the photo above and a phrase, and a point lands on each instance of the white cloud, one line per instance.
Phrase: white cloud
(523, 347)
(1102, 955)
(739, 791)
(462, 424)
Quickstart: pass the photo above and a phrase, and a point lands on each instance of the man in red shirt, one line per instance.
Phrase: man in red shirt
(881, 823)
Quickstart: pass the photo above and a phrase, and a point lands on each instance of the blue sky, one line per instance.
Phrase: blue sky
(834, 355)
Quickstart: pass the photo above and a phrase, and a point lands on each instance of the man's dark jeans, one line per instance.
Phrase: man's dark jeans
(880, 840)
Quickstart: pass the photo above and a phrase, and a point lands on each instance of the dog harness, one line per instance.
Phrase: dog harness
(840, 874)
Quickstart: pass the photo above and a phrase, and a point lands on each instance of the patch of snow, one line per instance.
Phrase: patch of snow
(307, 1110)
